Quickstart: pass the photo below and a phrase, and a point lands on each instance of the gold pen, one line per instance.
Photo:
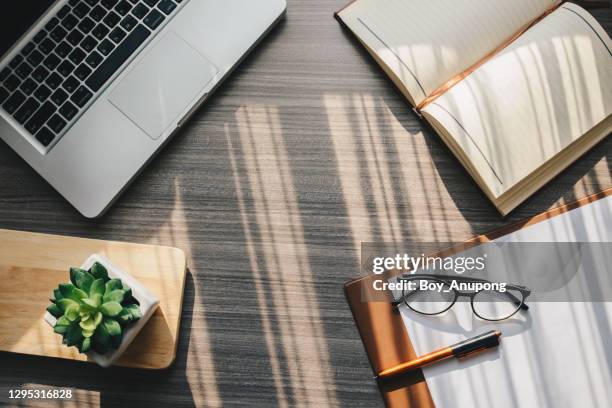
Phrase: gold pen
(476, 344)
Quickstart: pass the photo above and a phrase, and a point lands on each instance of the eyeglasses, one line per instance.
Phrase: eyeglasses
(433, 294)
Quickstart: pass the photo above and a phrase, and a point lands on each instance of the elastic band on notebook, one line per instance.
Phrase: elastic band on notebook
(458, 78)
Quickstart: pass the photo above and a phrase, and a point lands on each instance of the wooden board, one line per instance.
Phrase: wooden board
(32, 265)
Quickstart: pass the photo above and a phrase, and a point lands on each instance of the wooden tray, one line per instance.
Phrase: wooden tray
(32, 265)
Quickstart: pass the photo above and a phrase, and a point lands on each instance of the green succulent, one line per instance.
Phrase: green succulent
(93, 310)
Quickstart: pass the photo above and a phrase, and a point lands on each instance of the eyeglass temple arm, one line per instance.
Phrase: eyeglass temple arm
(517, 301)
(402, 298)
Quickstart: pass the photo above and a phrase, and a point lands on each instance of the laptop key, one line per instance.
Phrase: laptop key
(3, 95)
(81, 10)
(51, 62)
(63, 49)
(87, 25)
(40, 36)
(154, 19)
(65, 68)
(71, 84)
(81, 96)
(63, 12)
(42, 93)
(128, 23)
(123, 7)
(40, 73)
(75, 37)
(14, 102)
(52, 23)
(46, 46)
(28, 86)
(94, 59)
(24, 70)
(11, 83)
(89, 43)
(35, 58)
(26, 110)
(56, 123)
(45, 136)
(106, 47)
(60, 96)
(28, 48)
(140, 11)
(68, 111)
(97, 13)
(151, 3)
(77, 56)
(82, 72)
(166, 6)
(117, 35)
(69, 22)
(112, 19)
(40, 117)
(58, 34)
(4, 73)
(116, 59)
(16, 61)
(54, 80)
(100, 31)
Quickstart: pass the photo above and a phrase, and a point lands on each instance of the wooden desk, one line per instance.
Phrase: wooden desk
(304, 153)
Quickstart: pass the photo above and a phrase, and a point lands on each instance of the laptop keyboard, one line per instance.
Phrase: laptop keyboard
(70, 60)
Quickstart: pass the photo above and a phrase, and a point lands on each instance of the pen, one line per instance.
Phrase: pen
(481, 342)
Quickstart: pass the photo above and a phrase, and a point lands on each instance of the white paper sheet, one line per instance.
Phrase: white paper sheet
(555, 355)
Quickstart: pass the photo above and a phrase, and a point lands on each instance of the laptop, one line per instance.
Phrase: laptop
(91, 90)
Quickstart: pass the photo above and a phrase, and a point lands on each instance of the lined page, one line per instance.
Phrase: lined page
(427, 42)
(532, 100)
(555, 355)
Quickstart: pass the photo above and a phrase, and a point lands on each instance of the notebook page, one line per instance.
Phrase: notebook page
(426, 43)
(532, 100)
(561, 356)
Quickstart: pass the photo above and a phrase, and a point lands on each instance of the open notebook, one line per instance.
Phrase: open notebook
(559, 354)
(518, 89)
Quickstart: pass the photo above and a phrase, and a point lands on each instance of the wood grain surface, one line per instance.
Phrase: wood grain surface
(304, 153)
(32, 265)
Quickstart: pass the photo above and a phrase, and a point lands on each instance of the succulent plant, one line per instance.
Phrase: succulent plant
(93, 310)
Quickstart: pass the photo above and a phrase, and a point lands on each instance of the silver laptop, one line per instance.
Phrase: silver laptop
(90, 90)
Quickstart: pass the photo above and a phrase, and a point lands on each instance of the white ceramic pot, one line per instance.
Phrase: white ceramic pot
(148, 303)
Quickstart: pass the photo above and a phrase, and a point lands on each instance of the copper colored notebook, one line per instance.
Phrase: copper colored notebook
(384, 335)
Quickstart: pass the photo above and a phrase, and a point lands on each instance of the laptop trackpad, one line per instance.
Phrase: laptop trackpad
(163, 85)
